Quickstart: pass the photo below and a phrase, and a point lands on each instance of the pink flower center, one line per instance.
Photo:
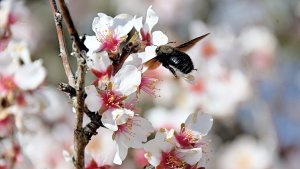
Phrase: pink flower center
(208, 50)
(4, 42)
(198, 86)
(93, 165)
(127, 127)
(5, 121)
(111, 99)
(187, 139)
(146, 37)
(12, 18)
(7, 84)
(170, 160)
(101, 74)
(108, 39)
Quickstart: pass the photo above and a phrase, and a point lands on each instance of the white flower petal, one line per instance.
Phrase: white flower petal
(7, 66)
(161, 143)
(121, 116)
(19, 50)
(123, 24)
(159, 38)
(102, 148)
(108, 120)
(153, 160)
(93, 101)
(148, 54)
(199, 122)
(114, 117)
(136, 133)
(138, 23)
(121, 153)
(190, 156)
(151, 20)
(127, 80)
(92, 44)
(30, 76)
(67, 156)
(99, 61)
(141, 128)
(102, 22)
(134, 60)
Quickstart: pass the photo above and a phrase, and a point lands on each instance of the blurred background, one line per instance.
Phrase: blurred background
(248, 73)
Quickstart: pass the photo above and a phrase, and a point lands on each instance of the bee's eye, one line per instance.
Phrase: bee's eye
(157, 49)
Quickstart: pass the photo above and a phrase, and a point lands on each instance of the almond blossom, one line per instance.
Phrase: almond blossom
(156, 38)
(111, 93)
(16, 23)
(247, 153)
(110, 32)
(5, 22)
(19, 77)
(101, 154)
(183, 149)
(129, 131)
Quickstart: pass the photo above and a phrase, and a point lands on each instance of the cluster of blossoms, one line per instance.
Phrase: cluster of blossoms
(183, 148)
(115, 92)
(19, 79)
(22, 96)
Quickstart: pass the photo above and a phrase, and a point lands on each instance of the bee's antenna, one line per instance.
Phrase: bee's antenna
(171, 42)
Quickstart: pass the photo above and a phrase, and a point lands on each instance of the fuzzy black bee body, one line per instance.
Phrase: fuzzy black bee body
(173, 59)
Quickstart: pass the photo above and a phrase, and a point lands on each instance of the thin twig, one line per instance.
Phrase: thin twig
(63, 51)
(91, 128)
(68, 89)
(80, 139)
(70, 27)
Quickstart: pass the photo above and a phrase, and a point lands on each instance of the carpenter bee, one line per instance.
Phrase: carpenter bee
(175, 58)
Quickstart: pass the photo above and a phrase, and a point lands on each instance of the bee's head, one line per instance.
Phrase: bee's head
(165, 49)
(157, 50)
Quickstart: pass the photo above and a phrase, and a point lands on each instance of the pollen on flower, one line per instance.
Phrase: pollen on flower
(108, 39)
(187, 139)
(112, 100)
(127, 127)
(169, 160)
(7, 84)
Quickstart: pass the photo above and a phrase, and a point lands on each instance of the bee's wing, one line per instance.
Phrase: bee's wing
(186, 46)
(151, 64)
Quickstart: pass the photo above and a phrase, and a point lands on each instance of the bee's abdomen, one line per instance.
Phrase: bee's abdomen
(183, 63)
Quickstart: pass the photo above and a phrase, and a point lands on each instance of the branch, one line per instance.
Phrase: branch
(68, 89)
(70, 27)
(80, 141)
(63, 51)
(91, 128)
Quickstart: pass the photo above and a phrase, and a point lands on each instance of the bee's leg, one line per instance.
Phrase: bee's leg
(171, 69)
(195, 69)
